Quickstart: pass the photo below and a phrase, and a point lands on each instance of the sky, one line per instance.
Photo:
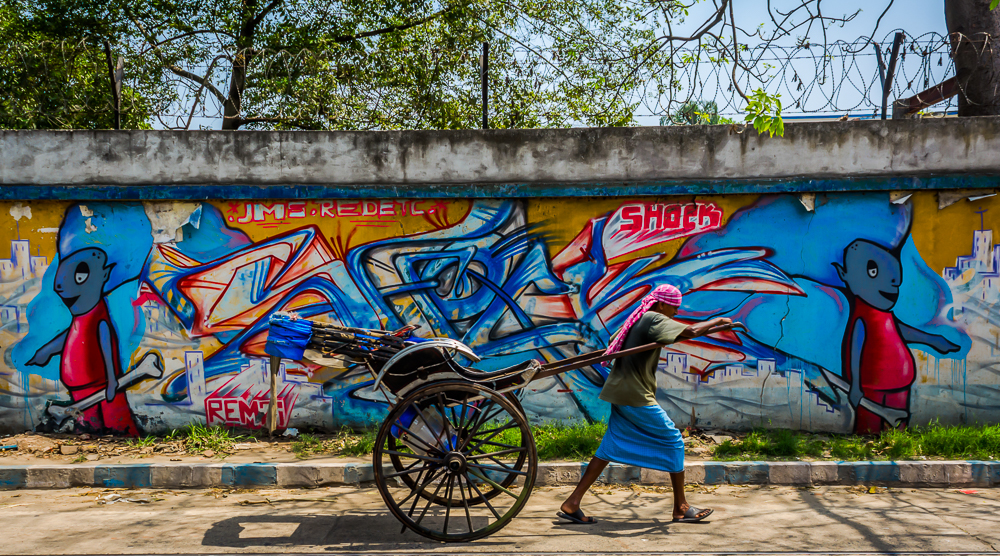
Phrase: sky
(850, 91)
(913, 16)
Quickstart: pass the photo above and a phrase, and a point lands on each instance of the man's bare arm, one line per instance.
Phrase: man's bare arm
(710, 327)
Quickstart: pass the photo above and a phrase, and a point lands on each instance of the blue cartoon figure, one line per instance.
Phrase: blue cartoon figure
(878, 366)
(89, 347)
(96, 257)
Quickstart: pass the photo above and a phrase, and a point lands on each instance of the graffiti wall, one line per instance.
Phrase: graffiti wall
(861, 314)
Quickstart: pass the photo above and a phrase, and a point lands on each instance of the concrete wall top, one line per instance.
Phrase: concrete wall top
(861, 149)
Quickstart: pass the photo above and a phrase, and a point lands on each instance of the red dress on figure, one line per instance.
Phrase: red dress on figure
(886, 366)
(83, 373)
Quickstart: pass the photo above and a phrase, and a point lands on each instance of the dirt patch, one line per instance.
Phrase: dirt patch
(42, 448)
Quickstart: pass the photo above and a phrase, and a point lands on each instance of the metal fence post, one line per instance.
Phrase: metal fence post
(890, 71)
(115, 73)
(485, 73)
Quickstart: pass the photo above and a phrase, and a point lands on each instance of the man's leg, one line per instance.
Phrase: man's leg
(680, 501)
(594, 470)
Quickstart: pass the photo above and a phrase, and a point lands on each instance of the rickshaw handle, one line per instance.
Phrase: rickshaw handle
(587, 359)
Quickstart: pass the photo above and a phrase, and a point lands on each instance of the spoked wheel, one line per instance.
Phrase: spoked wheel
(487, 408)
(456, 450)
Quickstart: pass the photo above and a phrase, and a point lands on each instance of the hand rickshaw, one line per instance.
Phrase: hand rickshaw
(454, 460)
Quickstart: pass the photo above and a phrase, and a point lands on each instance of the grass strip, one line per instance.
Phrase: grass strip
(568, 441)
(770, 444)
(930, 441)
(579, 442)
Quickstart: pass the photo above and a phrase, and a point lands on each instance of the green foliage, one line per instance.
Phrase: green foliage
(198, 438)
(890, 445)
(579, 441)
(558, 441)
(360, 445)
(307, 445)
(852, 449)
(697, 112)
(769, 444)
(576, 441)
(511, 436)
(555, 441)
(961, 442)
(144, 442)
(54, 71)
(764, 113)
(994, 4)
(934, 440)
(371, 64)
(302, 64)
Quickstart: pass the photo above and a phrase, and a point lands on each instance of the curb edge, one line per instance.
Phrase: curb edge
(206, 475)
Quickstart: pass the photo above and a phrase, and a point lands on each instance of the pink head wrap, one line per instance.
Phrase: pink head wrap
(665, 293)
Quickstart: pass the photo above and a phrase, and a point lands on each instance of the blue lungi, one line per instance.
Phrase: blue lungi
(644, 437)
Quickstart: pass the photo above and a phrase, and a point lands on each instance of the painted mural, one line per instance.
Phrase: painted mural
(862, 314)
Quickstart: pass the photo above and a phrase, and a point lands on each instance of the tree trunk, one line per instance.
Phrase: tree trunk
(233, 107)
(975, 48)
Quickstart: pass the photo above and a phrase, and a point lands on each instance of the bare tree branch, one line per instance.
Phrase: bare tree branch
(197, 95)
(263, 13)
(189, 34)
(393, 28)
(871, 38)
(736, 54)
(713, 20)
(173, 67)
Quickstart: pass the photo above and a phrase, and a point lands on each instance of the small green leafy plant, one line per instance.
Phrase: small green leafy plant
(696, 112)
(307, 445)
(359, 445)
(764, 113)
(144, 442)
(199, 438)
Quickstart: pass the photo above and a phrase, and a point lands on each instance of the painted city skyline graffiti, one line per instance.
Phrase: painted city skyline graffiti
(861, 314)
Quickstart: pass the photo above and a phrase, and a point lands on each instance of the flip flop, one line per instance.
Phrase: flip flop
(576, 517)
(690, 516)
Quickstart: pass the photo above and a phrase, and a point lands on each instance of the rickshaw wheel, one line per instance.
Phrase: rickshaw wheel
(462, 469)
(408, 480)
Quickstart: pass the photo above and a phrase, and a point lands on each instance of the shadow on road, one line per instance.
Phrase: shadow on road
(379, 530)
(371, 529)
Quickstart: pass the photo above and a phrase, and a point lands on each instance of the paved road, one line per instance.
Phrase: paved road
(349, 520)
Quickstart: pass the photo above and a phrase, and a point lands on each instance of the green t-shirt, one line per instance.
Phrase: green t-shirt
(632, 380)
